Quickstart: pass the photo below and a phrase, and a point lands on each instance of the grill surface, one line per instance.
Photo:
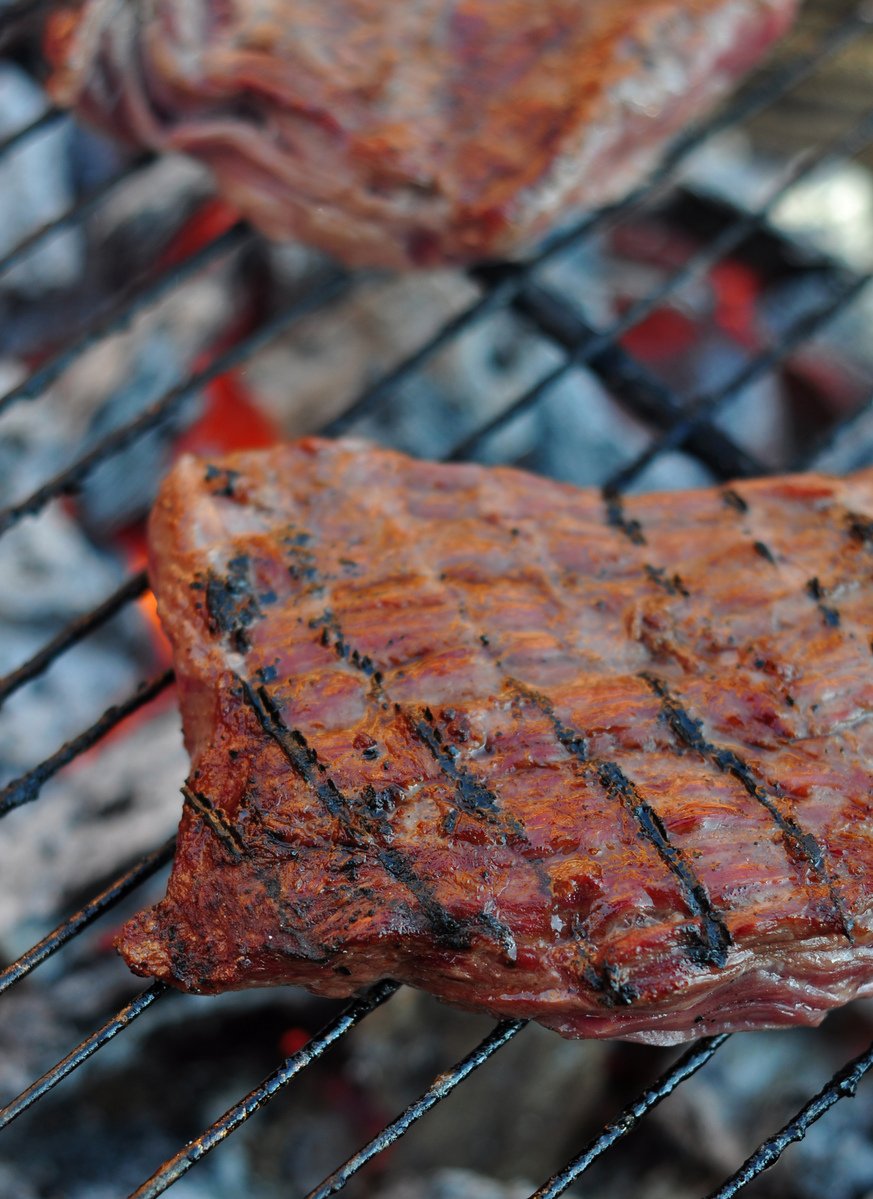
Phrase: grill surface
(686, 422)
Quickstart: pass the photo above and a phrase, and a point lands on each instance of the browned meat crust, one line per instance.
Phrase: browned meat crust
(413, 133)
(603, 765)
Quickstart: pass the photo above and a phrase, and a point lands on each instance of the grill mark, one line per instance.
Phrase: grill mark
(473, 796)
(225, 832)
(733, 499)
(303, 759)
(763, 551)
(711, 947)
(332, 634)
(616, 519)
(830, 616)
(672, 584)
(688, 731)
(860, 528)
(231, 603)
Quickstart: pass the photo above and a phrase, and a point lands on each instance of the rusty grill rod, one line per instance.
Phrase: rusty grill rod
(441, 1086)
(690, 1062)
(81, 1053)
(843, 1085)
(117, 890)
(75, 631)
(353, 1014)
(27, 787)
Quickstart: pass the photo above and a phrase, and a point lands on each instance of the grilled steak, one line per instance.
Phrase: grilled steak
(606, 765)
(411, 133)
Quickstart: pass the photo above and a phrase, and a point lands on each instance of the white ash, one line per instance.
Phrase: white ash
(34, 189)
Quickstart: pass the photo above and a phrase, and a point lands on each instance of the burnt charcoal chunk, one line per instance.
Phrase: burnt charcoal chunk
(638, 805)
(411, 134)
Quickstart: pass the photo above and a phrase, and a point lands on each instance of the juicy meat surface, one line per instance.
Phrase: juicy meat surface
(606, 765)
(417, 132)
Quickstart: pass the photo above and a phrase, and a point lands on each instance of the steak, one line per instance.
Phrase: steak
(602, 764)
(415, 133)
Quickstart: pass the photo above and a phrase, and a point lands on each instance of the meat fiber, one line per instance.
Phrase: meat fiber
(605, 765)
(418, 132)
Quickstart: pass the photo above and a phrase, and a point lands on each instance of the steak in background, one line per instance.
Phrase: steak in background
(414, 133)
(602, 764)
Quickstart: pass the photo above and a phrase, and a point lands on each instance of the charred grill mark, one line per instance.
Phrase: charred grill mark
(231, 603)
(688, 731)
(711, 947)
(673, 585)
(616, 518)
(763, 551)
(830, 615)
(860, 529)
(472, 795)
(605, 980)
(224, 478)
(332, 634)
(225, 832)
(450, 932)
(734, 500)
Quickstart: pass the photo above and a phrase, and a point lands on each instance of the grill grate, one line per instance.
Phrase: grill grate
(682, 422)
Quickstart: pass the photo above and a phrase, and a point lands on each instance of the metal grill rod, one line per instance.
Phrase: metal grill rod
(27, 786)
(132, 589)
(173, 1169)
(442, 1086)
(52, 116)
(127, 303)
(637, 388)
(808, 460)
(331, 286)
(76, 212)
(107, 898)
(843, 1085)
(850, 142)
(705, 404)
(81, 1053)
(690, 1062)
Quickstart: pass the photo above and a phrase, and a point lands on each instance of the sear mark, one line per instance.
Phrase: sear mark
(734, 500)
(362, 824)
(710, 945)
(830, 615)
(616, 519)
(225, 480)
(232, 603)
(799, 843)
(673, 585)
(472, 795)
(217, 821)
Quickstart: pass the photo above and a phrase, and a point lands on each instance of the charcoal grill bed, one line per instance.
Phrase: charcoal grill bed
(681, 422)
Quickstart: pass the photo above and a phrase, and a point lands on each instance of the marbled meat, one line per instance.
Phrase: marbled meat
(412, 132)
(602, 764)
